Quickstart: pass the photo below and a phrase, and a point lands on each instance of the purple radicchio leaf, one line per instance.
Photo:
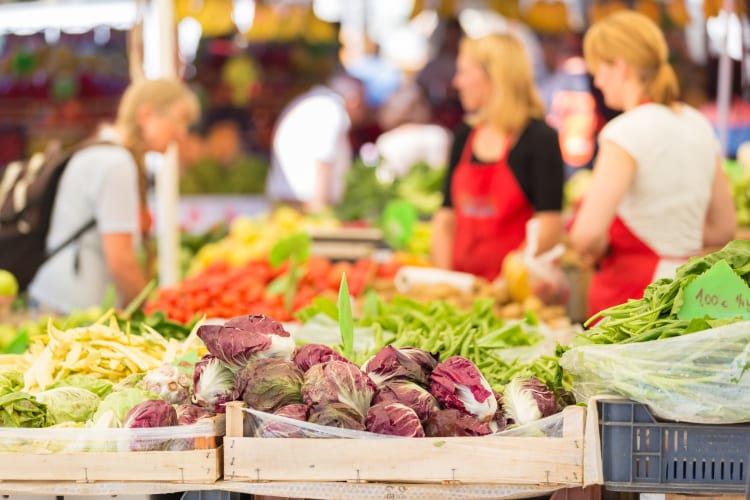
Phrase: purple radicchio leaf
(458, 383)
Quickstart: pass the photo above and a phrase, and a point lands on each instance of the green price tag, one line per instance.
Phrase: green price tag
(717, 293)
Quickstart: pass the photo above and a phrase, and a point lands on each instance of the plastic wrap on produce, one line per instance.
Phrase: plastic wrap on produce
(268, 425)
(701, 377)
(87, 439)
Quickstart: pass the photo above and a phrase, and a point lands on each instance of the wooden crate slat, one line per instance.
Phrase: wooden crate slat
(506, 460)
(176, 466)
(420, 460)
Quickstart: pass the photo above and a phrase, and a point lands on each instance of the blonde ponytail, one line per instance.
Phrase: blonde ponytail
(663, 87)
(638, 41)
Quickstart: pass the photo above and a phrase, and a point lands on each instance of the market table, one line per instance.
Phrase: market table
(323, 490)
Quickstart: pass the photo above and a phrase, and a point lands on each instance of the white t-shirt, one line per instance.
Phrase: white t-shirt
(101, 183)
(313, 128)
(405, 146)
(675, 154)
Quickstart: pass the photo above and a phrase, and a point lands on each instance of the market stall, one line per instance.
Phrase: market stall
(322, 357)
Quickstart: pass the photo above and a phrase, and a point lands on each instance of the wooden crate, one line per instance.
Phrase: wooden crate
(200, 465)
(194, 466)
(504, 460)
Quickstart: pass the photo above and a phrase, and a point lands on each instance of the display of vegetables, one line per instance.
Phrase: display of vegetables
(405, 363)
(89, 395)
(701, 377)
(366, 193)
(338, 382)
(438, 327)
(10, 381)
(739, 180)
(268, 384)
(452, 422)
(244, 338)
(251, 238)
(457, 383)
(112, 409)
(397, 391)
(100, 387)
(188, 414)
(68, 404)
(655, 315)
(527, 400)
(395, 419)
(148, 415)
(280, 428)
(16, 337)
(690, 370)
(151, 413)
(213, 384)
(504, 304)
(312, 354)
(409, 393)
(225, 291)
(169, 383)
(101, 350)
(20, 409)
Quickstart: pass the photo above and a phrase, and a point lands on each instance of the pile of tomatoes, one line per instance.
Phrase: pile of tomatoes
(224, 291)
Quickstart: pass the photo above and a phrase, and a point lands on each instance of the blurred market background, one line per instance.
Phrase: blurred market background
(64, 64)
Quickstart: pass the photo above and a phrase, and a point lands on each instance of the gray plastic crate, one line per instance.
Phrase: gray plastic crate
(641, 453)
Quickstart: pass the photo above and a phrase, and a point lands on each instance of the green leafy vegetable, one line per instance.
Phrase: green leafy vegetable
(18, 345)
(10, 381)
(346, 321)
(655, 315)
(100, 387)
(296, 250)
(20, 409)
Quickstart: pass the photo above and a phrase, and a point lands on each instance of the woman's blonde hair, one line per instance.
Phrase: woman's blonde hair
(514, 98)
(639, 42)
(161, 95)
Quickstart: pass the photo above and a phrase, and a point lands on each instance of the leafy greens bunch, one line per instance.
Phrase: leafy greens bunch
(655, 315)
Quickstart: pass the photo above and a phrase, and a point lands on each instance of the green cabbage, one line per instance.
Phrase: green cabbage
(11, 381)
(20, 409)
(99, 386)
(69, 404)
(114, 407)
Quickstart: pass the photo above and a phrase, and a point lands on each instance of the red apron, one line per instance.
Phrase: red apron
(626, 270)
(491, 214)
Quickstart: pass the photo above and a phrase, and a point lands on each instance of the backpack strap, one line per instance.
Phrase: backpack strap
(73, 237)
(86, 143)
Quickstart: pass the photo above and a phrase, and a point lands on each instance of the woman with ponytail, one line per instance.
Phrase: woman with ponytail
(658, 193)
(104, 187)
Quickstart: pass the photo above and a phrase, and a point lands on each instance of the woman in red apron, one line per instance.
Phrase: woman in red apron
(658, 193)
(505, 165)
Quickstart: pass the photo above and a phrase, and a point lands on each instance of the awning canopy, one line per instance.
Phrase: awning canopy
(24, 18)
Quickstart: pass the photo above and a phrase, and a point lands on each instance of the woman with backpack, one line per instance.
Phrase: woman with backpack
(105, 182)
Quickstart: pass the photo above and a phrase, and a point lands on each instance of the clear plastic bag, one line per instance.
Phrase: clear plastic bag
(268, 425)
(86, 439)
(699, 377)
(527, 274)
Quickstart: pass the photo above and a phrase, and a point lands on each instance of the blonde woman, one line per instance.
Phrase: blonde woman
(505, 164)
(658, 193)
(104, 187)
